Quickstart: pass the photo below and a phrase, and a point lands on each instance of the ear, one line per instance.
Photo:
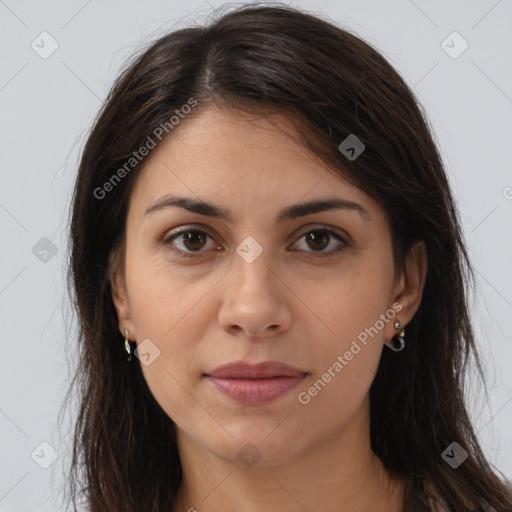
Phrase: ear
(120, 297)
(409, 289)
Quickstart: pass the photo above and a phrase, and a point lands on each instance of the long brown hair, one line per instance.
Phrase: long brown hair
(258, 59)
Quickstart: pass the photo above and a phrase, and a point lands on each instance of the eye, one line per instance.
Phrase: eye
(192, 241)
(320, 238)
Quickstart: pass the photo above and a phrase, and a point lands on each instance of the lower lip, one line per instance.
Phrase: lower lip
(255, 391)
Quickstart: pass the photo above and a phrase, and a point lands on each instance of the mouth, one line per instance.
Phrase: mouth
(255, 384)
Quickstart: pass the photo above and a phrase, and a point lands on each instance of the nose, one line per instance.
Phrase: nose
(256, 302)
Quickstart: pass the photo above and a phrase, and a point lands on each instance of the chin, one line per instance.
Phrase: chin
(257, 443)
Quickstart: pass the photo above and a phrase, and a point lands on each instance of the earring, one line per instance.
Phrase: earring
(127, 346)
(397, 342)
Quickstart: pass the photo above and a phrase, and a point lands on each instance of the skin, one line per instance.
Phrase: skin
(287, 305)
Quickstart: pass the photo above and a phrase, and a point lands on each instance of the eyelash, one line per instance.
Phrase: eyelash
(316, 254)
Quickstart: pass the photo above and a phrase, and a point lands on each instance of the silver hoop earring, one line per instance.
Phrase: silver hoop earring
(397, 343)
(127, 346)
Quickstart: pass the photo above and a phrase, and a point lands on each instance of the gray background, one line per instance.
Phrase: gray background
(47, 106)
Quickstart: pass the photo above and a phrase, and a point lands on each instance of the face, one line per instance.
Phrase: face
(260, 281)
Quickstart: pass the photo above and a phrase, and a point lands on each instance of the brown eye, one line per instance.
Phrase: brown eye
(191, 241)
(317, 240)
(320, 239)
(194, 240)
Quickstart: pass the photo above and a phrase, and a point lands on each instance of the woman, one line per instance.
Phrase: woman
(262, 220)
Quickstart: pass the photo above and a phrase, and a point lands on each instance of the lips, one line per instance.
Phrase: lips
(265, 370)
(255, 384)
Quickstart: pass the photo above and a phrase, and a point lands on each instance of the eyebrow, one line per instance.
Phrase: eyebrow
(289, 213)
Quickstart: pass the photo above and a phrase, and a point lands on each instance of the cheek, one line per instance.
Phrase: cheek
(162, 296)
(173, 310)
(350, 299)
(352, 312)
(347, 360)
(170, 310)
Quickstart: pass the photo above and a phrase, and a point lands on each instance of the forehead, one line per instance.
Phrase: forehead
(248, 141)
(228, 156)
